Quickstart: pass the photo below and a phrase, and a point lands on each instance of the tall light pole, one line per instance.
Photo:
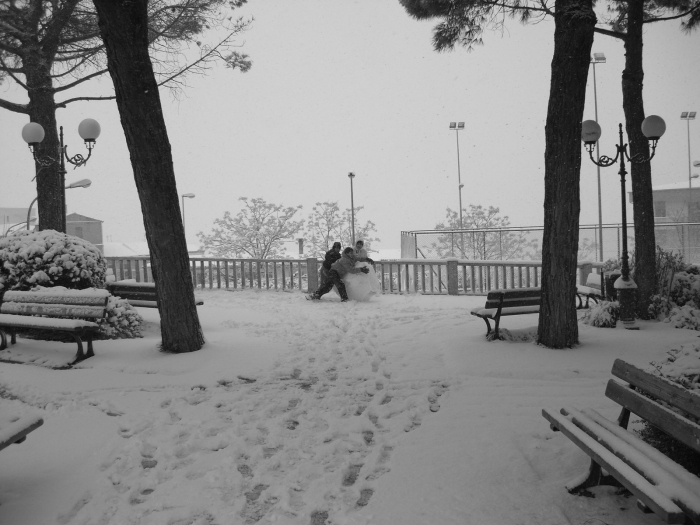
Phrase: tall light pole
(688, 116)
(33, 134)
(83, 183)
(653, 128)
(598, 58)
(189, 196)
(457, 127)
(351, 175)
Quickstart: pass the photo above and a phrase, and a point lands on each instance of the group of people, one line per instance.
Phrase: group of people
(337, 268)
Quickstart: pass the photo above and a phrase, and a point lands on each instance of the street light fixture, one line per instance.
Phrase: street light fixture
(598, 58)
(351, 175)
(33, 134)
(653, 128)
(189, 196)
(688, 116)
(83, 183)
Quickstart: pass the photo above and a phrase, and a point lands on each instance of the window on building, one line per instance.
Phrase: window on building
(659, 208)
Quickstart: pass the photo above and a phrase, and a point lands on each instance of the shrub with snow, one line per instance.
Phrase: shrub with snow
(49, 258)
(603, 315)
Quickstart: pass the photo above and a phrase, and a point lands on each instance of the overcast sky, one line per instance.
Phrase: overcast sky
(354, 85)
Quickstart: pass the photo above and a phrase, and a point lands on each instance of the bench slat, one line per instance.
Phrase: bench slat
(53, 310)
(89, 298)
(16, 431)
(666, 482)
(27, 321)
(651, 496)
(664, 418)
(136, 294)
(491, 312)
(658, 387)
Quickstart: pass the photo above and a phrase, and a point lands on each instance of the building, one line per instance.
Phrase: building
(672, 202)
(86, 228)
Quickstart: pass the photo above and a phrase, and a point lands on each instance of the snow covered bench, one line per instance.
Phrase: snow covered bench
(70, 311)
(619, 457)
(138, 294)
(591, 291)
(500, 303)
(14, 429)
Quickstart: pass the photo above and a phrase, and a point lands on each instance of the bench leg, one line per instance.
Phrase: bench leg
(3, 340)
(80, 356)
(90, 353)
(595, 477)
(488, 326)
(497, 322)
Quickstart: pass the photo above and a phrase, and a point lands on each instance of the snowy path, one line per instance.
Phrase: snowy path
(392, 411)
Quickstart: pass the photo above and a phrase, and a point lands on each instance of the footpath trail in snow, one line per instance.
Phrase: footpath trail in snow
(303, 442)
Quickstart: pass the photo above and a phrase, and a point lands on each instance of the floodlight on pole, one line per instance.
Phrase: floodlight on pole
(33, 134)
(688, 116)
(598, 58)
(188, 196)
(351, 175)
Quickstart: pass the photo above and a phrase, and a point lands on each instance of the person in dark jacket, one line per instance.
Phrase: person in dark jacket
(339, 269)
(332, 255)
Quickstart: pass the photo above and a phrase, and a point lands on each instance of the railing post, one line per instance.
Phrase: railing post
(452, 277)
(583, 271)
(312, 274)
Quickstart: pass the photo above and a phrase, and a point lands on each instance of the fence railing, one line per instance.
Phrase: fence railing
(425, 276)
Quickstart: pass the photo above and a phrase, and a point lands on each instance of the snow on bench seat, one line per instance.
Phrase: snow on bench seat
(14, 429)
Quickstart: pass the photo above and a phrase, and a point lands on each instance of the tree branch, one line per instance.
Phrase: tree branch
(80, 80)
(608, 32)
(695, 8)
(15, 108)
(66, 102)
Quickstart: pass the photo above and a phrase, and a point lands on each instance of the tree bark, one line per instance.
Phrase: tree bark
(42, 110)
(573, 38)
(633, 105)
(124, 29)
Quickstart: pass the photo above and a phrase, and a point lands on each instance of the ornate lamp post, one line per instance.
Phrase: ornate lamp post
(352, 208)
(33, 134)
(653, 128)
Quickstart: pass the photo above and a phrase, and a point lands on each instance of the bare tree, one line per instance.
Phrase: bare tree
(258, 231)
(48, 47)
(327, 224)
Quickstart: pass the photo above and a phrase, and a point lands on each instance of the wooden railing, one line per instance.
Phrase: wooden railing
(426, 276)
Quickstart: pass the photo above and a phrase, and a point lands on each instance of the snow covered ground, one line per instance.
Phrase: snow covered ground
(393, 411)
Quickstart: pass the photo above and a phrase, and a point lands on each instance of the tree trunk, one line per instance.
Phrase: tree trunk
(42, 110)
(633, 105)
(124, 29)
(573, 38)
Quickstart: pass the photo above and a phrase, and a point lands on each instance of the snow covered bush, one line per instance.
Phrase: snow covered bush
(122, 320)
(603, 315)
(49, 258)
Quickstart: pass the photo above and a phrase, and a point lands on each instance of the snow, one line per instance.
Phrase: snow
(391, 411)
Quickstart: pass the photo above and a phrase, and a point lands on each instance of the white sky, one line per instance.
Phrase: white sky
(355, 86)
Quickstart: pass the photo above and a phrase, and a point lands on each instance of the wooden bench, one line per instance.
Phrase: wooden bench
(73, 312)
(660, 484)
(138, 294)
(500, 303)
(14, 429)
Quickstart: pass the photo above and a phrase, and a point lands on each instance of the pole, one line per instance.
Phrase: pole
(597, 152)
(62, 176)
(29, 211)
(690, 191)
(352, 208)
(459, 180)
(183, 212)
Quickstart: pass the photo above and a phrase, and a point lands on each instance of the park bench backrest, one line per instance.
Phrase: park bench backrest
(664, 418)
(515, 297)
(84, 306)
(141, 292)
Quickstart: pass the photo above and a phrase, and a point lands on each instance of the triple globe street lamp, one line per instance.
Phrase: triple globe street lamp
(653, 128)
(33, 134)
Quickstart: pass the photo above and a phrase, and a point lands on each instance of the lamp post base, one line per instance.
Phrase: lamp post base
(626, 290)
